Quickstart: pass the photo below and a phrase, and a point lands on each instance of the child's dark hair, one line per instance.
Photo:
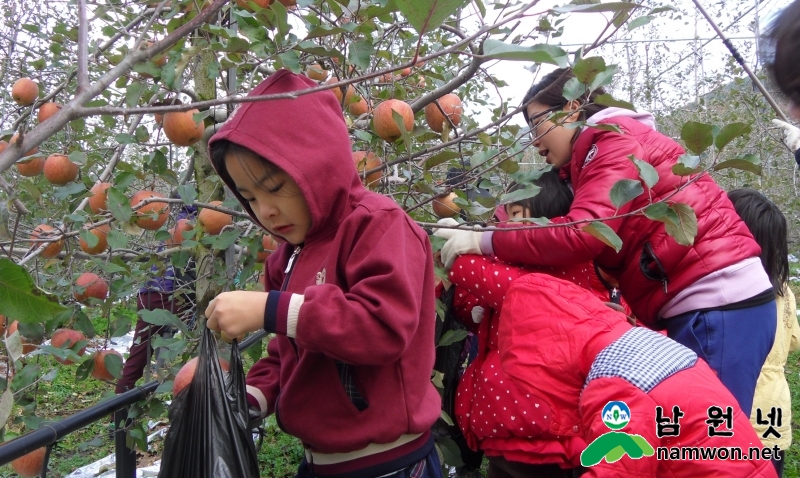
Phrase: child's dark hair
(553, 200)
(783, 39)
(767, 224)
(550, 92)
(221, 149)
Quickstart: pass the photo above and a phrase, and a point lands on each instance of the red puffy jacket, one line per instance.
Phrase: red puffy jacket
(600, 159)
(560, 343)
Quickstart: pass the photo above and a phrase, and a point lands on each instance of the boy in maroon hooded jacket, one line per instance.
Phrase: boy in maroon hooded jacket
(349, 295)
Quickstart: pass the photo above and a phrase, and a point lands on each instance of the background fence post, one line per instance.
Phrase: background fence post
(125, 457)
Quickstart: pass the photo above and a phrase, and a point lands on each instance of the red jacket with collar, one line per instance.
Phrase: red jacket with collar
(557, 341)
(599, 160)
(364, 278)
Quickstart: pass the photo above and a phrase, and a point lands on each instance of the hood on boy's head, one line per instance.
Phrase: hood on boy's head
(305, 136)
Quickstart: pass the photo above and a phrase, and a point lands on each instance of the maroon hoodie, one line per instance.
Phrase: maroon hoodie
(350, 367)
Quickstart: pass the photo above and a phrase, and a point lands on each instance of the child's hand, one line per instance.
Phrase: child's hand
(237, 312)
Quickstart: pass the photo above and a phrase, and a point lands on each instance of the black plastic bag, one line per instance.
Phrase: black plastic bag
(208, 435)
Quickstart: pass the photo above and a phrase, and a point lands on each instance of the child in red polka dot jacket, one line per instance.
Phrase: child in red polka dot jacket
(509, 425)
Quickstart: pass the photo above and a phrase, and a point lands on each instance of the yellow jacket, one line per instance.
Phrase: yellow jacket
(772, 389)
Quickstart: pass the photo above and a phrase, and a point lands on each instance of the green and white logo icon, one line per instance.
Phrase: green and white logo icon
(612, 446)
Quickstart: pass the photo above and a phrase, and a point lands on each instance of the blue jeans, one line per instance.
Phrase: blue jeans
(428, 467)
(735, 343)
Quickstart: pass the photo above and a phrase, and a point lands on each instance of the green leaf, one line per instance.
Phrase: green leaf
(427, 15)
(573, 89)
(125, 138)
(324, 30)
(605, 127)
(281, 18)
(749, 162)
(70, 189)
(640, 22)
(646, 171)
(117, 240)
(162, 317)
(440, 158)
(625, 191)
(605, 234)
(446, 418)
(133, 93)
(495, 49)
(529, 191)
(586, 69)
(6, 404)
(452, 336)
(687, 165)
(697, 136)
(29, 373)
(596, 7)
(91, 239)
(400, 122)
(119, 205)
(608, 100)
(223, 240)
(657, 211)
(255, 351)
(451, 454)
(729, 132)
(361, 52)
(21, 299)
(684, 229)
(113, 364)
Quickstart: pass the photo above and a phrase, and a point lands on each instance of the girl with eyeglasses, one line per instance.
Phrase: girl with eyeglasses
(712, 296)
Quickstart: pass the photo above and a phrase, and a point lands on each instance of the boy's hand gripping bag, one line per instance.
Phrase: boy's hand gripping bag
(208, 434)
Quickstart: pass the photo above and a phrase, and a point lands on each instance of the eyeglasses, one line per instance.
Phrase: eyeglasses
(534, 125)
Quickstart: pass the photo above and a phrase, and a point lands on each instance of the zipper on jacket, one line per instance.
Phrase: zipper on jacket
(289, 265)
(288, 272)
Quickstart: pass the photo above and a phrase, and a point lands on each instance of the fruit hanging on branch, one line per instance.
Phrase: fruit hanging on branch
(98, 201)
(365, 161)
(44, 231)
(100, 369)
(143, 217)
(176, 232)
(25, 91)
(101, 233)
(445, 206)
(385, 126)
(89, 285)
(59, 170)
(181, 128)
(316, 72)
(451, 105)
(46, 110)
(67, 338)
(212, 222)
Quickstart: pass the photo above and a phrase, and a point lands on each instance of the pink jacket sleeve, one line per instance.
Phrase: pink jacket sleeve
(558, 246)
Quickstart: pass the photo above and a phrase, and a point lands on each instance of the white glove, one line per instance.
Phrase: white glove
(477, 314)
(791, 134)
(458, 242)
